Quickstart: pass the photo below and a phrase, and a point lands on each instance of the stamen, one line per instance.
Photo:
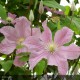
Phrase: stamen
(50, 47)
(19, 43)
(20, 40)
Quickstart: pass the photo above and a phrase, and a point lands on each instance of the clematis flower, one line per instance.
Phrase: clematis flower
(15, 36)
(53, 50)
(10, 19)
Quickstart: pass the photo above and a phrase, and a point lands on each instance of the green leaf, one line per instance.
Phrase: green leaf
(76, 21)
(59, 26)
(36, 2)
(53, 4)
(26, 1)
(52, 25)
(74, 25)
(24, 58)
(19, 46)
(1, 38)
(3, 14)
(40, 67)
(67, 11)
(6, 65)
(18, 71)
(23, 54)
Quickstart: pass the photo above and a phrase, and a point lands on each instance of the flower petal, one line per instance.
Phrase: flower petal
(36, 32)
(24, 20)
(62, 67)
(44, 24)
(52, 60)
(13, 16)
(35, 58)
(70, 52)
(7, 47)
(61, 63)
(46, 35)
(22, 27)
(33, 44)
(17, 62)
(63, 36)
(9, 32)
(24, 49)
(3, 21)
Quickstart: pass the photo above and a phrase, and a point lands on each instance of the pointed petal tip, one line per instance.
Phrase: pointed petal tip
(63, 36)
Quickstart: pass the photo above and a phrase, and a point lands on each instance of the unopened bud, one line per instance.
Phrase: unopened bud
(41, 8)
(31, 16)
(73, 7)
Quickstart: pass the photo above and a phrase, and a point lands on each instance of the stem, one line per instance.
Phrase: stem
(31, 28)
(40, 17)
(31, 2)
(71, 18)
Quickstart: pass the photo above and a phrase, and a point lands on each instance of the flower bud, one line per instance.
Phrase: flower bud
(31, 16)
(73, 7)
(41, 8)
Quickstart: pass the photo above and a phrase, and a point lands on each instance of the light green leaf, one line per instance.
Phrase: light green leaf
(67, 11)
(59, 26)
(76, 21)
(52, 25)
(36, 2)
(74, 25)
(40, 67)
(19, 46)
(3, 14)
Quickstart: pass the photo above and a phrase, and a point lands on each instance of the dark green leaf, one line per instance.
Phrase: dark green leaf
(1, 38)
(26, 1)
(18, 71)
(23, 54)
(24, 58)
(6, 65)
(53, 4)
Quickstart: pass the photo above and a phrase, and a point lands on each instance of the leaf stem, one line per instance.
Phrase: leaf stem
(71, 18)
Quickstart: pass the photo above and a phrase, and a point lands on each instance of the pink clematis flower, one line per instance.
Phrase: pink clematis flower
(53, 50)
(15, 36)
(11, 17)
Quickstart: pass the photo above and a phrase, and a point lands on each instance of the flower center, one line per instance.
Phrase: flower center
(51, 47)
(19, 43)
(20, 40)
